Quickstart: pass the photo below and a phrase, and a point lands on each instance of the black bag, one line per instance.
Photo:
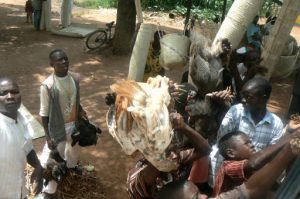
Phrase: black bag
(86, 134)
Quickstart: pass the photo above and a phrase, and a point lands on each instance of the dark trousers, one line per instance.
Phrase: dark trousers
(37, 19)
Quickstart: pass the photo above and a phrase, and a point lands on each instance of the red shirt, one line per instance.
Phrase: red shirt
(230, 175)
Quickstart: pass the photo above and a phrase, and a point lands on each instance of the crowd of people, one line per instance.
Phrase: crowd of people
(238, 151)
(248, 143)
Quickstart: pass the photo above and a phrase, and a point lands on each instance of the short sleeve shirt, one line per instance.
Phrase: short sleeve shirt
(230, 175)
(15, 144)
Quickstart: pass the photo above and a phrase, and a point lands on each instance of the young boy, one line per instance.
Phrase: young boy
(241, 160)
(29, 11)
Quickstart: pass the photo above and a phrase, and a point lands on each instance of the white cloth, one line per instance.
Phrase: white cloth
(66, 151)
(67, 96)
(15, 143)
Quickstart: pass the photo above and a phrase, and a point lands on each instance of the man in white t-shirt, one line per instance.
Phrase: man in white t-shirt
(16, 146)
(59, 111)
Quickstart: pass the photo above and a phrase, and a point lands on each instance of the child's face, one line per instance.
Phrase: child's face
(242, 148)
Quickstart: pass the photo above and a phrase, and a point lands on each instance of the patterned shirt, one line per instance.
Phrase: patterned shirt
(266, 132)
(230, 175)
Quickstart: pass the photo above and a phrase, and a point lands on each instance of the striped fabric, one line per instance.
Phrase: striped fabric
(230, 175)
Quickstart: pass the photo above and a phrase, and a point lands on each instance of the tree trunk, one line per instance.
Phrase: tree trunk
(126, 16)
(279, 34)
(238, 18)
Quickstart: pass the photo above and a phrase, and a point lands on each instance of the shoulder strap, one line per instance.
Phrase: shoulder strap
(49, 82)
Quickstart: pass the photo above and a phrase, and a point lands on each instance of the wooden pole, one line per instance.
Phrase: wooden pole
(279, 34)
(188, 12)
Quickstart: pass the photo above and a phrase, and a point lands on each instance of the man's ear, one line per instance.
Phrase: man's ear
(230, 153)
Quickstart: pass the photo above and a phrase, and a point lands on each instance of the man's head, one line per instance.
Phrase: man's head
(60, 62)
(255, 20)
(180, 190)
(255, 94)
(252, 58)
(236, 146)
(10, 97)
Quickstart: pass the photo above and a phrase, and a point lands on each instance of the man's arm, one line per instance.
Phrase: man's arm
(263, 179)
(200, 144)
(264, 156)
(230, 122)
(234, 60)
(37, 174)
(44, 110)
(50, 142)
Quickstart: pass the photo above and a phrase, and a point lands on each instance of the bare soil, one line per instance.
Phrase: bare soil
(24, 56)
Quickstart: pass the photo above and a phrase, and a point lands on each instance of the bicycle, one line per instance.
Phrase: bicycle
(100, 36)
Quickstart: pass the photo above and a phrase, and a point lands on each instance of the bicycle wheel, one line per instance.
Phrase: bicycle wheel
(96, 39)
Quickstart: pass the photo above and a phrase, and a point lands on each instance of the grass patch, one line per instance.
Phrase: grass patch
(96, 3)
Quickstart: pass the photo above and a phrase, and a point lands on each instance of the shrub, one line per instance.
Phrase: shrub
(97, 3)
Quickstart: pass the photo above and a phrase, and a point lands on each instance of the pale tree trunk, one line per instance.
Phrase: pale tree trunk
(139, 12)
(126, 16)
(279, 34)
(239, 17)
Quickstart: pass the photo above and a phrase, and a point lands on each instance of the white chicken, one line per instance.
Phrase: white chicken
(139, 120)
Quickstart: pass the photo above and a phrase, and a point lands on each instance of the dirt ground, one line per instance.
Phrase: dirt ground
(24, 56)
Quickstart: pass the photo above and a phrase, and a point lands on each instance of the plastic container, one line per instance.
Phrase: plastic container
(174, 51)
(140, 52)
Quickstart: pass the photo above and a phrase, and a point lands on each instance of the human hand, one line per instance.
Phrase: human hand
(226, 46)
(36, 180)
(176, 89)
(224, 96)
(50, 142)
(177, 121)
(294, 123)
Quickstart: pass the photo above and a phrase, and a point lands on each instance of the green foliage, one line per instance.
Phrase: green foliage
(201, 9)
(96, 3)
(199, 13)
